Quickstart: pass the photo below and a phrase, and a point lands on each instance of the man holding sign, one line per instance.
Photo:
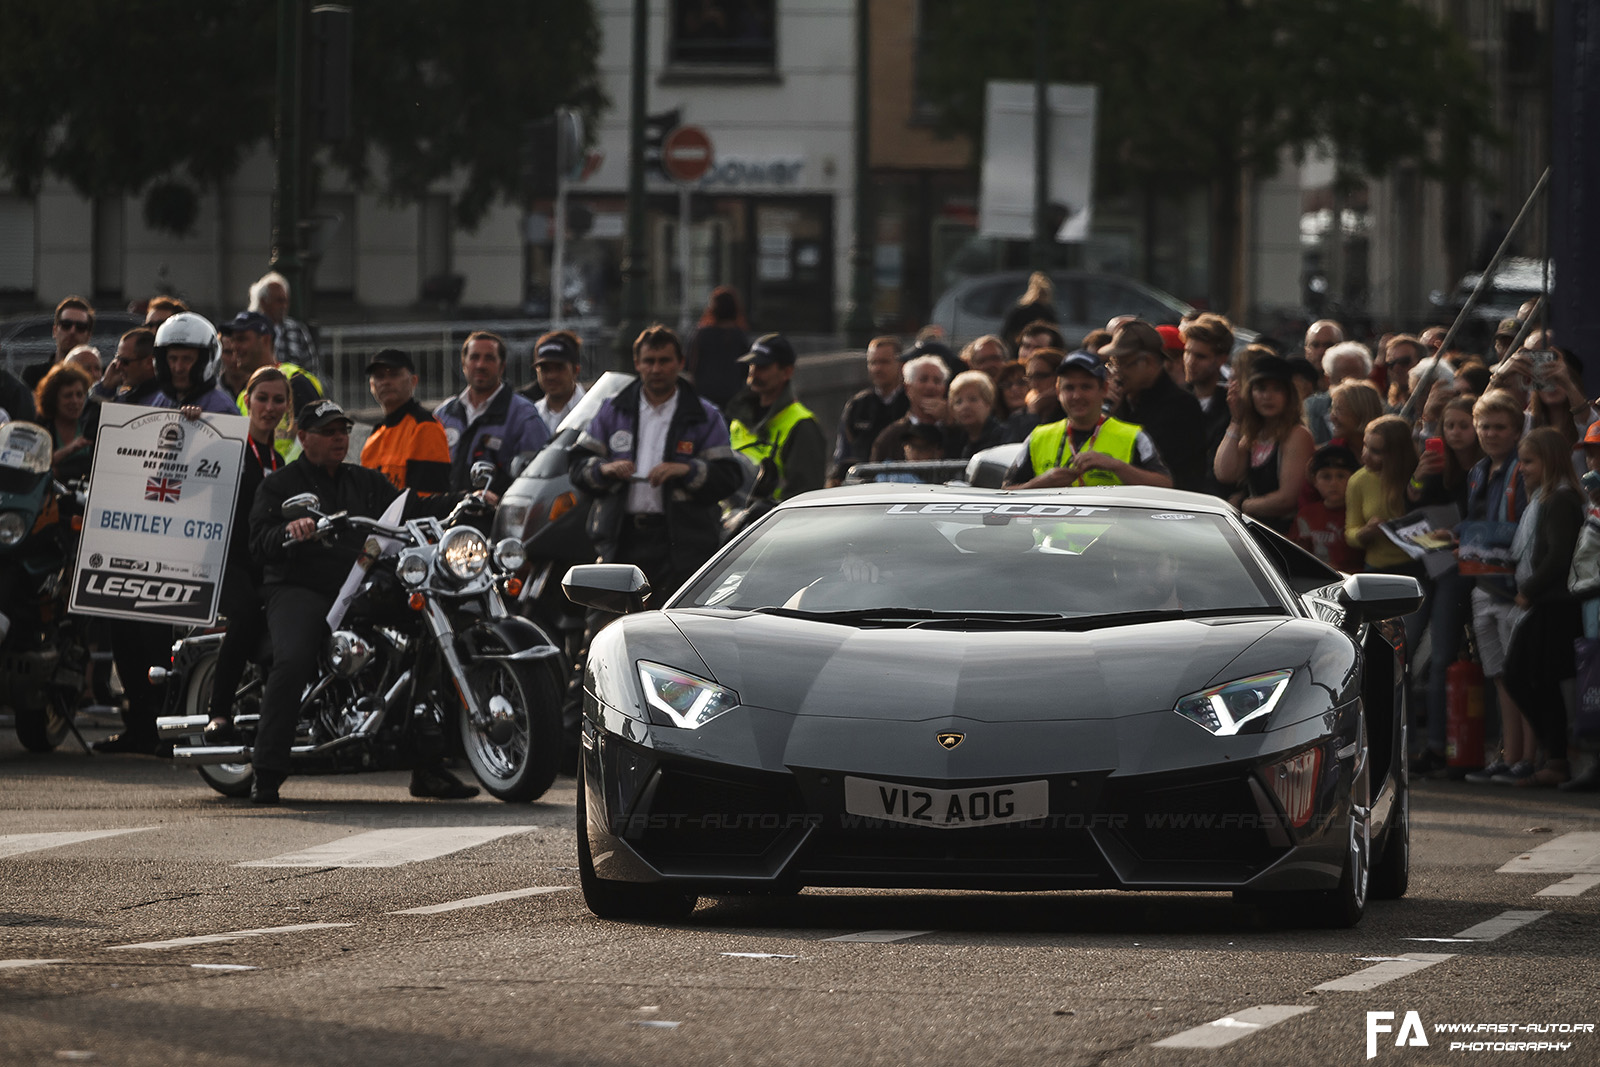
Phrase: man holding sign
(302, 579)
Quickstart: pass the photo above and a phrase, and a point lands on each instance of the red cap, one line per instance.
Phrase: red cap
(1592, 435)
(1171, 338)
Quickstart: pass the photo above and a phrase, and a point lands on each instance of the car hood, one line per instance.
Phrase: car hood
(804, 667)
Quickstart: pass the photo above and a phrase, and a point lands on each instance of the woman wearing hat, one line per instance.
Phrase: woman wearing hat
(1265, 445)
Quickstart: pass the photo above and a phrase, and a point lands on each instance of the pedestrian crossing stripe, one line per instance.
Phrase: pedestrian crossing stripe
(16, 844)
(390, 848)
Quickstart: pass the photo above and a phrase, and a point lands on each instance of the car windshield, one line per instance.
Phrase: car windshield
(1011, 559)
(609, 385)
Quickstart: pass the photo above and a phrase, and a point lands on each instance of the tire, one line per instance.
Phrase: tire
(42, 729)
(623, 901)
(521, 767)
(1391, 872)
(229, 779)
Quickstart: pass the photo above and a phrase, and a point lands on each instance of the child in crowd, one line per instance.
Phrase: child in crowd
(1540, 655)
(1496, 499)
(1584, 580)
(1320, 525)
(923, 443)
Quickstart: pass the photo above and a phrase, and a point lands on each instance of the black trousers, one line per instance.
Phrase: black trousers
(1539, 658)
(135, 648)
(297, 623)
(247, 620)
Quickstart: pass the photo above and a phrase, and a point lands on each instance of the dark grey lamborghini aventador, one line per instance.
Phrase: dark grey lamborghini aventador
(941, 687)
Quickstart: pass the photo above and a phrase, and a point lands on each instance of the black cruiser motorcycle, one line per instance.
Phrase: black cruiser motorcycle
(426, 647)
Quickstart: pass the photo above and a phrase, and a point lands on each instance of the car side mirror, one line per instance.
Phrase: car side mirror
(1377, 597)
(482, 474)
(301, 506)
(619, 588)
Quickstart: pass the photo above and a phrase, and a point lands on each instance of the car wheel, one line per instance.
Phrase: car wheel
(610, 899)
(1391, 872)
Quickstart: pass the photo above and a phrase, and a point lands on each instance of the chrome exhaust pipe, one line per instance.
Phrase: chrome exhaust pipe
(177, 727)
(212, 754)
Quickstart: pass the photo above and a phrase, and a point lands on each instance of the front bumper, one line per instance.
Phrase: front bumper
(663, 807)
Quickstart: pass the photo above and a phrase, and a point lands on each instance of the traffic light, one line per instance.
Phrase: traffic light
(656, 128)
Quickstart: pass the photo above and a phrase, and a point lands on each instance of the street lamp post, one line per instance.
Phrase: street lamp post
(858, 312)
(633, 270)
(286, 219)
(1042, 238)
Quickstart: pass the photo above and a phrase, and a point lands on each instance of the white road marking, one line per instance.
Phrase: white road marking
(1577, 853)
(1575, 886)
(760, 956)
(480, 901)
(1501, 924)
(1231, 1028)
(235, 935)
(390, 848)
(656, 1024)
(223, 967)
(13, 844)
(11, 965)
(1378, 974)
(879, 937)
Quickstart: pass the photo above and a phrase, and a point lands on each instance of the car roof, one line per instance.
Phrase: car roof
(1131, 496)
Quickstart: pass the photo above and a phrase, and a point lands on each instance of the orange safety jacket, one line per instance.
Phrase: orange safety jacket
(410, 449)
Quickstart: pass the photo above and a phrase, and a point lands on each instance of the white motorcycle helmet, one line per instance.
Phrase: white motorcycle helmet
(194, 331)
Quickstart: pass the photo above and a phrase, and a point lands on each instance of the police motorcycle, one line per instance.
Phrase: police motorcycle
(43, 651)
(550, 516)
(426, 646)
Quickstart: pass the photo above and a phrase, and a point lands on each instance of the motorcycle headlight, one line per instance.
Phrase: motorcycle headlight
(465, 553)
(13, 528)
(686, 700)
(412, 568)
(509, 555)
(1240, 706)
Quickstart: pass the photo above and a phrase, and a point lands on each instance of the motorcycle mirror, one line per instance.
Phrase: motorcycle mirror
(520, 464)
(301, 505)
(482, 475)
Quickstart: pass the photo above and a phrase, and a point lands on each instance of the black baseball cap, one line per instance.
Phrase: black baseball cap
(1084, 361)
(392, 358)
(556, 349)
(770, 348)
(247, 322)
(321, 414)
(1337, 457)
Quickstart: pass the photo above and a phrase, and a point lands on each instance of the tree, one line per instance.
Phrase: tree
(164, 98)
(1197, 95)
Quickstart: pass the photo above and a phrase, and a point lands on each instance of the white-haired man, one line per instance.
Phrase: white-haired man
(926, 378)
(1341, 361)
(292, 342)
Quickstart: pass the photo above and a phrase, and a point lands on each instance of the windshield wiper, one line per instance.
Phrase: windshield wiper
(1079, 623)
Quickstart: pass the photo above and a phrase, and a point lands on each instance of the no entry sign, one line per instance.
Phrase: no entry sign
(686, 154)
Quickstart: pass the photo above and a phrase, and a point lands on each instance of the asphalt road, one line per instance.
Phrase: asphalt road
(336, 949)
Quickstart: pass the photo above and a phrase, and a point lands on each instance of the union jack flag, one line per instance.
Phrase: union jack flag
(165, 490)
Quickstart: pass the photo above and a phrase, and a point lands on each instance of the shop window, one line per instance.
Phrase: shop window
(736, 35)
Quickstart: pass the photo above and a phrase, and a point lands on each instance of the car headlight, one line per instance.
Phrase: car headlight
(686, 700)
(465, 552)
(13, 528)
(1240, 706)
(509, 555)
(412, 568)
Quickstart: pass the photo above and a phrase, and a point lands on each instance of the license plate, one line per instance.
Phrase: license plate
(947, 809)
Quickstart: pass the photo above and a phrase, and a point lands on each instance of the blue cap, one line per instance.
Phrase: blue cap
(1084, 361)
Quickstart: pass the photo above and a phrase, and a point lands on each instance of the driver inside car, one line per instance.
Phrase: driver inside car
(302, 578)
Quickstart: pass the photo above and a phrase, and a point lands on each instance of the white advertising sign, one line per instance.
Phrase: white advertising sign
(159, 515)
(1005, 208)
